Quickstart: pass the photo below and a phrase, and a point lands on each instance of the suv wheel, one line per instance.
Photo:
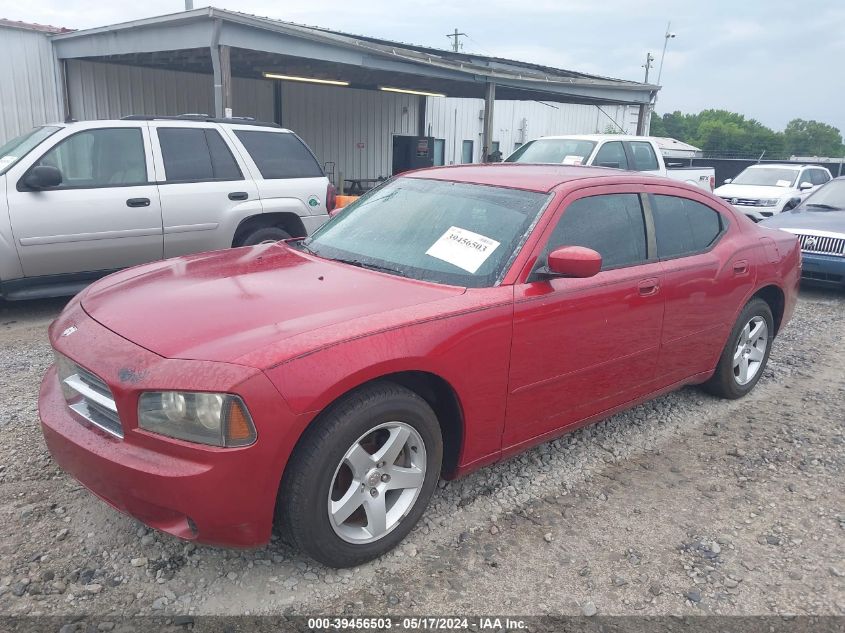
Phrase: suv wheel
(362, 475)
(746, 352)
(264, 235)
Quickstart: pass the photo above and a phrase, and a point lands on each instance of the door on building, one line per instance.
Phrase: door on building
(575, 353)
(439, 152)
(466, 152)
(104, 215)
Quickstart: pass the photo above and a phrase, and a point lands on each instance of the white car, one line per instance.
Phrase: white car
(79, 200)
(761, 191)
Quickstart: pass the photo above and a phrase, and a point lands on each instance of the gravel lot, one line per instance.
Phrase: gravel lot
(685, 505)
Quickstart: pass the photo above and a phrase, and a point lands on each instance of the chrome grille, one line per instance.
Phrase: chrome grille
(745, 202)
(88, 396)
(822, 244)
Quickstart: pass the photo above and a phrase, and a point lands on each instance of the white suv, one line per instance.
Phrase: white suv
(761, 191)
(81, 199)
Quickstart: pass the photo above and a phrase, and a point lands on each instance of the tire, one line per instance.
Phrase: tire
(326, 468)
(729, 381)
(264, 234)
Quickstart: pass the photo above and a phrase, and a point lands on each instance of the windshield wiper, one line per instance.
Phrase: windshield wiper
(820, 205)
(360, 264)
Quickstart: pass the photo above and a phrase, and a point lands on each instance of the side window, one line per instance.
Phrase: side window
(611, 154)
(611, 224)
(683, 226)
(643, 155)
(279, 155)
(806, 176)
(196, 154)
(100, 158)
(818, 177)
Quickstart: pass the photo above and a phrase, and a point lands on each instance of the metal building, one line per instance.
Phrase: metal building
(346, 95)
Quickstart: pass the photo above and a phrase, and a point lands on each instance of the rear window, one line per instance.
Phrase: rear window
(644, 157)
(196, 154)
(279, 154)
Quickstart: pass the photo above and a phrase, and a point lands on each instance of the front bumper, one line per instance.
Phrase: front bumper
(208, 494)
(826, 270)
(756, 213)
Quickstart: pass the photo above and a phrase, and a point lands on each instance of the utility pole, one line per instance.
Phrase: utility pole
(456, 43)
(648, 65)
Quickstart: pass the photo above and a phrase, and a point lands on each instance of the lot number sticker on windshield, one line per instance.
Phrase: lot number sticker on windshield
(573, 160)
(783, 183)
(463, 248)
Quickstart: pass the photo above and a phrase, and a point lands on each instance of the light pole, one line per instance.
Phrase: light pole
(669, 36)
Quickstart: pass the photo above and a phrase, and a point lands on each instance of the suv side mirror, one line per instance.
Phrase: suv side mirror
(573, 261)
(728, 181)
(792, 203)
(43, 177)
(805, 185)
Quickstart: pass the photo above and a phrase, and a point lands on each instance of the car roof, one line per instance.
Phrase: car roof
(597, 137)
(527, 176)
(792, 166)
(185, 119)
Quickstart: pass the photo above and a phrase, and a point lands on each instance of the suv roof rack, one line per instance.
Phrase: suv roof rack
(200, 117)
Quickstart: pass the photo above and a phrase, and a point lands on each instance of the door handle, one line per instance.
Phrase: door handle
(741, 267)
(648, 287)
(138, 202)
(238, 195)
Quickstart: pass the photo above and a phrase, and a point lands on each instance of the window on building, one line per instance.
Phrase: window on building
(279, 154)
(613, 225)
(439, 151)
(466, 152)
(196, 154)
(644, 158)
(100, 158)
(683, 226)
(611, 154)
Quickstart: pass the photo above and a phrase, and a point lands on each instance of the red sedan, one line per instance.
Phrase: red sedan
(444, 321)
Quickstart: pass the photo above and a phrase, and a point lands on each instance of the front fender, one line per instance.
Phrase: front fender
(10, 263)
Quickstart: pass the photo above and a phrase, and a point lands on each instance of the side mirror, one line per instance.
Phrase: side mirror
(43, 177)
(728, 181)
(573, 261)
(805, 185)
(792, 203)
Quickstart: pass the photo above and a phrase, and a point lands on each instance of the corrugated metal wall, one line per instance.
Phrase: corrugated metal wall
(29, 93)
(352, 128)
(515, 122)
(108, 91)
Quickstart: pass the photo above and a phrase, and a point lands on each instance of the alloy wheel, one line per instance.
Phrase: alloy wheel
(750, 350)
(377, 482)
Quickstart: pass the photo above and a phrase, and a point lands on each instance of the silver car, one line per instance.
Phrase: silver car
(80, 200)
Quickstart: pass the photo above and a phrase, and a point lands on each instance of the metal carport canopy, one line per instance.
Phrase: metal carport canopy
(227, 43)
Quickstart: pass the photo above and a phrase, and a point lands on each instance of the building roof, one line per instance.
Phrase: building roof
(31, 26)
(262, 43)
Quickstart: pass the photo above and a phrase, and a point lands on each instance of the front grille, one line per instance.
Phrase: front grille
(89, 396)
(744, 202)
(822, 244)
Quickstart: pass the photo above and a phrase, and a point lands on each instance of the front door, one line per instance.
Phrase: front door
(104, 215)
(582, 346)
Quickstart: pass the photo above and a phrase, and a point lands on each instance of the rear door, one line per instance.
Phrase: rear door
(204, 186)
(104, 215)
(706, 275)
(582, 346)
(288, 176)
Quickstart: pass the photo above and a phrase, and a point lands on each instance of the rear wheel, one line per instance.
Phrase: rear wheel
(362, 475)
(746, 353)
(264, 235)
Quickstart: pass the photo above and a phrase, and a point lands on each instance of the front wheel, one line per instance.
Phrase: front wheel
(746, 353)
(264, 235)
(362, 475)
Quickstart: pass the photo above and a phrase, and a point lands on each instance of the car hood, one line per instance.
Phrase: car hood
(805, 218)
(221, 306)
(757, 192)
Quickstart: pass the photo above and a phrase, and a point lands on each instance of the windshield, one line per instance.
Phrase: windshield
(17, 148)
(568, 151)
(831, 196)
(445, 232)
(767, 177)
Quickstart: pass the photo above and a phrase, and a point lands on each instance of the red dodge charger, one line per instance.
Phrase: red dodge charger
(446, 320)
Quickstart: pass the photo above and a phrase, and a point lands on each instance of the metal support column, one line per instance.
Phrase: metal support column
(222, 68)
(487, 130)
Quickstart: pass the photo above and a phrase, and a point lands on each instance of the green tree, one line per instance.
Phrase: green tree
(812, 138)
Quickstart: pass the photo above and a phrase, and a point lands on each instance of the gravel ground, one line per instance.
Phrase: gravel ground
(684, 505)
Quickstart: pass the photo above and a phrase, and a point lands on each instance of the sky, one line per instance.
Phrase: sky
(771, 60)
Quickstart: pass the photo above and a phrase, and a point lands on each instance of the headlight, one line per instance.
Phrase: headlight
(218, 419)
(771, 202)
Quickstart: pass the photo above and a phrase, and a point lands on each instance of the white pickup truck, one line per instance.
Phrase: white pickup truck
(634, 153)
